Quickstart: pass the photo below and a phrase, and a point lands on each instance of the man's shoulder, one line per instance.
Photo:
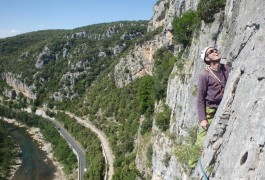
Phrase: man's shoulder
(204, 74)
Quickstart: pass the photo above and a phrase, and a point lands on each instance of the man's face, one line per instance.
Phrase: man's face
(213, 55)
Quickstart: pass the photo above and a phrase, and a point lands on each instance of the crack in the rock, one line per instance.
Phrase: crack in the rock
(256, 28)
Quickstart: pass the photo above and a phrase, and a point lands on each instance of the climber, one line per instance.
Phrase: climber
(210, 89)
(211, 86)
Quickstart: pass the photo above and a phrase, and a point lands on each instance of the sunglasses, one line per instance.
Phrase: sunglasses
(211, 51)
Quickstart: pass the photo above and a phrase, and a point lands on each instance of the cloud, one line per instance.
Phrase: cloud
(7, 33)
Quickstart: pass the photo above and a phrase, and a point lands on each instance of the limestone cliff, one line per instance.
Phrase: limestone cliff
(18, 85)
(138, 63)
(234, 147)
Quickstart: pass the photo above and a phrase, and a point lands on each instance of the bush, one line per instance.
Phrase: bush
(164, 63)
(186, 151)
(149, 154)
(163, 119)
(146, 125)
(207, 8)
(146, 95)
(185, 26)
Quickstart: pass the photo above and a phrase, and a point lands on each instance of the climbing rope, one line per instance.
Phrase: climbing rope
(203, 172)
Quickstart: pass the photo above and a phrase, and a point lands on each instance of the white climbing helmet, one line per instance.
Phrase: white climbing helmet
(203, 53)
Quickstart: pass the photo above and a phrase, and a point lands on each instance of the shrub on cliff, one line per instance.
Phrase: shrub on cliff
(185, 26)
(163, 119)
(207, 8)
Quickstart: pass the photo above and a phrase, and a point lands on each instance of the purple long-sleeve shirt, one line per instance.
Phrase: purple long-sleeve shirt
(209, 94)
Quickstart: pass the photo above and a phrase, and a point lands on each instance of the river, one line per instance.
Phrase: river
(35, 163)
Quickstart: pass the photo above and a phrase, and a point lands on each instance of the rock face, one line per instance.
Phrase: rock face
(44, 57)
(234, 147)
(18, 86)
(138, 63)
(235, 144)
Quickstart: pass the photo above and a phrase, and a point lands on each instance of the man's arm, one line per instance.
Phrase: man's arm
(201, 103)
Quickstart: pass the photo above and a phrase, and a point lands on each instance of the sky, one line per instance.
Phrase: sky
(20, 16)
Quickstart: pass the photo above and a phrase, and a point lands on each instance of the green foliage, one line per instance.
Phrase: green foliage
(145, 95)
(92, 91)
(166, 159)
(149, 154)
(146, 125)
(148, 36)
(164, 63)
(8, 151)
(185, 26)
(104, 102)
(207, 8)
(186, 150)
(86, 66)
(163, 119)
(210, 169)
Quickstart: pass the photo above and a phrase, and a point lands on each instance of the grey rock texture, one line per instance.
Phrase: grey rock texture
(131, 36)
(235, 144)
(65, 52)
(234, 147)
(44, 57)
(116, 50)
(138, 63)
(78, 35)
(18, 86)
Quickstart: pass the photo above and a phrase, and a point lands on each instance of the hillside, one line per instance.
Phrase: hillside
(74, 70)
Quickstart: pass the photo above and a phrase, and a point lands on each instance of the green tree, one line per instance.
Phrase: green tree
(185, 26)
(164, 63)
(163, 118)
(207, 8)
(145, 95)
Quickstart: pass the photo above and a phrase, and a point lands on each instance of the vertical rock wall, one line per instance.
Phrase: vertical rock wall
(235, 143)
(18, 85)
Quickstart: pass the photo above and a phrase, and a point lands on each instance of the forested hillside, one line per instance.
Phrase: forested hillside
(74, 70)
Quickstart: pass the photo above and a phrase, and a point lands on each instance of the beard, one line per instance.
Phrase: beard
(216, 60)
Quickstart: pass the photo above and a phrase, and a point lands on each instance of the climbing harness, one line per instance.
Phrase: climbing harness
(209, 69)
(219, 82)
(203, 172)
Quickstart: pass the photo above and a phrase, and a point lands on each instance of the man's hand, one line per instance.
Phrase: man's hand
(204, 124)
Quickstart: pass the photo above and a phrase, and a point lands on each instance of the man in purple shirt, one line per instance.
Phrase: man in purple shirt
(211, 86)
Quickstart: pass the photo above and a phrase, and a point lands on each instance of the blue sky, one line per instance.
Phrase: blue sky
(20, 16)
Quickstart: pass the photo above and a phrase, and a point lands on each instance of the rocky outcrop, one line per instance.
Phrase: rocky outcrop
(138, 63)
(116, 50)
(78, 35)
(130, 36)
(45, 57)
(166, 10)
(18, 86)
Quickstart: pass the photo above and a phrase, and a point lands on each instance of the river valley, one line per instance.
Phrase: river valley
(35, 163)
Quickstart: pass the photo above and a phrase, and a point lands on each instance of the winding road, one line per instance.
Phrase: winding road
(76, 147)
(107, 152)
